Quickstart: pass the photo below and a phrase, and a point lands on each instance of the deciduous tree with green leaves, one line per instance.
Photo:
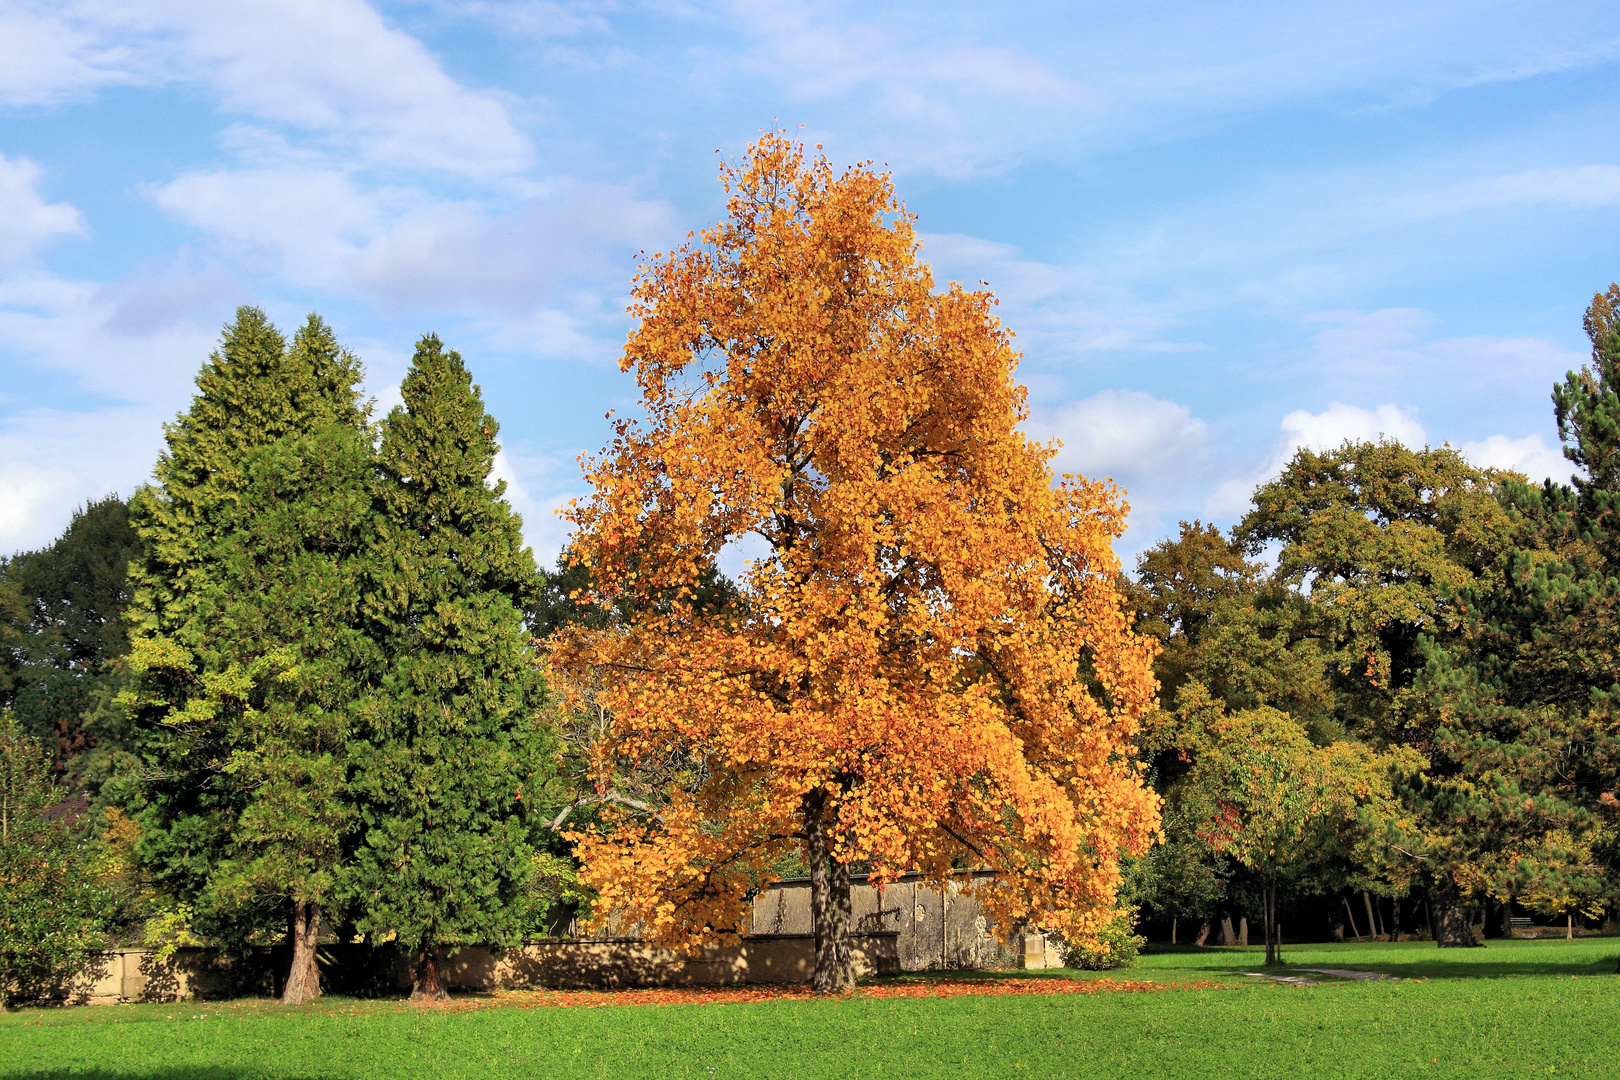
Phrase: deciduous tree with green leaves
(53, 904)
(1263, 793)
(69, 601)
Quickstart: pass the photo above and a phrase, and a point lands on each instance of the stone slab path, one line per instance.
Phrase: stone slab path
(1291, 980)
(1337, 973)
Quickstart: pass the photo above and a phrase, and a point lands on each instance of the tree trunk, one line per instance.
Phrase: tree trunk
(1173, 921)
(1227, 937)
(1243, 930)
(1452, 930)
(1273, 931)
(829, 912)
(843, 909)
(1349, 911)
(427, 985)
(1373, 929)
(304, 977)
(1203, 934)
(1569, 926)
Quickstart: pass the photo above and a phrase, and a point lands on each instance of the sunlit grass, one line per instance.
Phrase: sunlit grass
(1511, 1009)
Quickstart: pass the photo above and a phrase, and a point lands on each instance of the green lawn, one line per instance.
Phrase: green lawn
(1544, 1008)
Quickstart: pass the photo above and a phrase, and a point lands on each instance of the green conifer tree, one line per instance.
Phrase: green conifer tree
(246, 642)
(450, 756)
(1527, 751)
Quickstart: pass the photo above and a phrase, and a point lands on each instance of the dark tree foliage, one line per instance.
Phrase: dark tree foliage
(64, 606)
(1527, 753)
(450, 763)
(245, 641)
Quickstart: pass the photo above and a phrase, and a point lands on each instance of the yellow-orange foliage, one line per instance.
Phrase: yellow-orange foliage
(930, 631)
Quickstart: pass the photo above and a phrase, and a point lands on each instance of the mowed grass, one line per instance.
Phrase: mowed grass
(1513, 1009)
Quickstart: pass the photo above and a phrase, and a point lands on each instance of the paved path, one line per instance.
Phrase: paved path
(1291, 980)
(1337, 973)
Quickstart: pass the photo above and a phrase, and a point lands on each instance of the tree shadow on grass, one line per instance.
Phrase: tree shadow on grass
(1427, 961)
(177, 1072)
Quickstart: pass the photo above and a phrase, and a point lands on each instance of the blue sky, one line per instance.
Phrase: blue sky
(1221, 231)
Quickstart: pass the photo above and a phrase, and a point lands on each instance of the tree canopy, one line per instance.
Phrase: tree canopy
(928, 664)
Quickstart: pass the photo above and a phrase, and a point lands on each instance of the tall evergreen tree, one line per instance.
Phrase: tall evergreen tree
(245, 637)
(1530, 694)
(450, 756)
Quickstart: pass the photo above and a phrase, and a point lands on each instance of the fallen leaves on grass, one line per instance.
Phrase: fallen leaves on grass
(684, 995)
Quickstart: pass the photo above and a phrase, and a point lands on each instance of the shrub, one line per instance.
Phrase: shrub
(53, 919)
(1116, 946)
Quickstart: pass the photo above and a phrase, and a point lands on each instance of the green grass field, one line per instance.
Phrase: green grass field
(1513, 1009)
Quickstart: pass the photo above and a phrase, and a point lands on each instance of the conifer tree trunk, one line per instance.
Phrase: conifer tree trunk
(427, 982)
(1452, 929)
(304, 977)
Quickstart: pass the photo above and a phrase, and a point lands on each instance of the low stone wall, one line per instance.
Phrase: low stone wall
(903, 926)
(585, 963)
(137, 975)
(562, 963)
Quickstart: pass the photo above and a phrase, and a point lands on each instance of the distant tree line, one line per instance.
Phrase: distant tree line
(1424, 654)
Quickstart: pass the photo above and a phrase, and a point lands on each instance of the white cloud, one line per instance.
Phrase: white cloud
(1355, 350)
(948, 88)
(1063, 310)
(1529, 455)
(331, 68)
(136, 340)
(1326, 430)
(1121, 433)
(53, 461)
(1155, 449)
(937, 104)
(404, 250)
(1339, 423)
(1577, 187)
(27, 221)
(49, 51)
(537, 487)
(130, 349)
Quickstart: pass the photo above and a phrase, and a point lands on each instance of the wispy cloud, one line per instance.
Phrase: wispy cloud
(333, 69)
(27, 221)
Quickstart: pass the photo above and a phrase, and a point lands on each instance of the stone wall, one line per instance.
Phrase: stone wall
(904, 926)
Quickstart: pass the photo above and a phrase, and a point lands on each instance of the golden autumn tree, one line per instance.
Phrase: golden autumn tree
(926, 665)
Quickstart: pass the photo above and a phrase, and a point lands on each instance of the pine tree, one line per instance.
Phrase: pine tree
(450, 758)
(1527, 748)
(245, 641)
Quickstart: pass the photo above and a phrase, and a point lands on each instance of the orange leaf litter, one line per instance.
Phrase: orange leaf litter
(595, 999)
